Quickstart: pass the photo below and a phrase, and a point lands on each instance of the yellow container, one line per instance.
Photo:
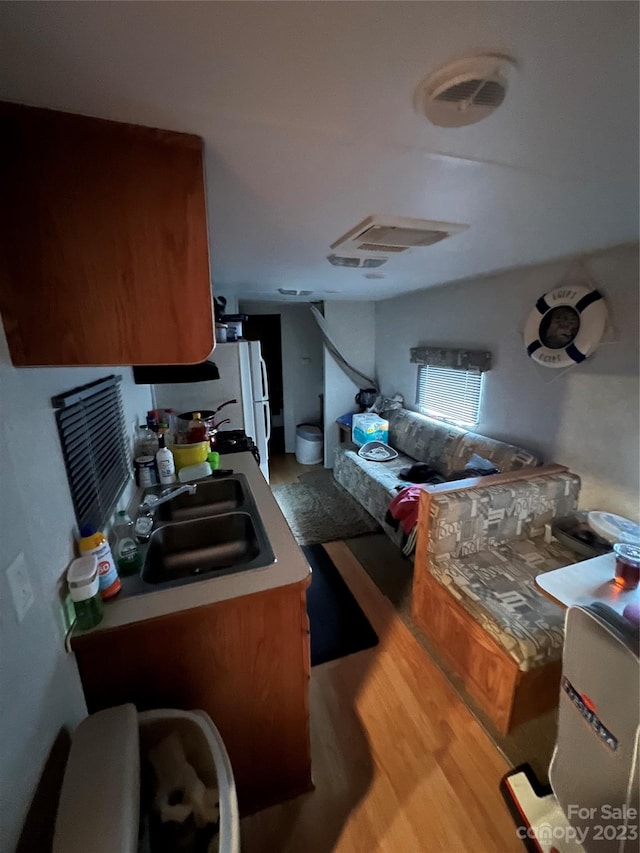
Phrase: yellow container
(189, 454)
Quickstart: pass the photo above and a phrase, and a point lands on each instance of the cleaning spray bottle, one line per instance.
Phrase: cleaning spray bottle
(95, 542)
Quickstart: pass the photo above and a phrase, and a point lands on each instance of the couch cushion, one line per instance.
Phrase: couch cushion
(497, 587)
(470, 520)
(372, 484)
(505, 457)
(424, 439)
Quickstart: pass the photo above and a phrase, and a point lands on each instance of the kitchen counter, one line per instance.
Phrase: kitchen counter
(289, 567)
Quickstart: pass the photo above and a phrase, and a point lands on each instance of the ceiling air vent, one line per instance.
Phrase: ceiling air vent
(286, 292)
(464, 92)
(385, 235)
(355, 261)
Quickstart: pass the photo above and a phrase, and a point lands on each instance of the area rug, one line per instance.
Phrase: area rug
(318, 510)
(530, 742)
(337, 624)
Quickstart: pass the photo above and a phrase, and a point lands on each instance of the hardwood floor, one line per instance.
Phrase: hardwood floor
(286, 468)
(399, 763)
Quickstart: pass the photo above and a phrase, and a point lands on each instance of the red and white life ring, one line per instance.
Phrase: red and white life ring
(566, 326)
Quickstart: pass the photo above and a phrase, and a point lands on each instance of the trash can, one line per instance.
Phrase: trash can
(108, 777)
(309, 444)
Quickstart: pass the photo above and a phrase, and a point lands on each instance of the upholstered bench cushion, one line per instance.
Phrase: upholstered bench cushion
(424, 439)
(372, 484)
(496, 587)
(505, 457)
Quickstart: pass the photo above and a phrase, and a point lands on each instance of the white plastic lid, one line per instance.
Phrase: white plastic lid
(614, 528)
(82, 577)
(310, 432)
(99, 806)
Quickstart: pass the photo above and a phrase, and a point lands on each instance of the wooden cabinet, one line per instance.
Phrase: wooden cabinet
(244, 661)
(104, 253)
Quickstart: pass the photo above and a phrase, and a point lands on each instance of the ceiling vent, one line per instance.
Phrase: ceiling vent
(466, 91)
(286, 292)
(387, 235)
(356, 261)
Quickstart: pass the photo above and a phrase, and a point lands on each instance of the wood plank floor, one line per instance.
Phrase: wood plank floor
(286, 468)
(399, 763)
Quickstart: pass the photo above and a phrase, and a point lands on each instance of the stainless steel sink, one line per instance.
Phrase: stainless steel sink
(211, 498)
(187, 551)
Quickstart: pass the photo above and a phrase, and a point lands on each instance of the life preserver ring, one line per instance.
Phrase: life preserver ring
(565, 326)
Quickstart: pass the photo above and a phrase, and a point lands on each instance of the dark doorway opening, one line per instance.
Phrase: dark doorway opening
(266, 329)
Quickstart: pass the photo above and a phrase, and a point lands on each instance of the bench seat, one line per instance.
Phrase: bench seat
(496, 586)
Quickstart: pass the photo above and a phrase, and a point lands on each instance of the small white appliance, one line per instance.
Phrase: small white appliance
(243, 375)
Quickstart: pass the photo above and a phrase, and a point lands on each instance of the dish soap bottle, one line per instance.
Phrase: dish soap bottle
(165, 463)
(95, 542)
(127, 552)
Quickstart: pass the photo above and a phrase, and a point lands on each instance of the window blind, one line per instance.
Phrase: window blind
(445, 392)
(92, 433)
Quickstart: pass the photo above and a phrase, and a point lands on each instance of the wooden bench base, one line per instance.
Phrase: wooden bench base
(491, 677)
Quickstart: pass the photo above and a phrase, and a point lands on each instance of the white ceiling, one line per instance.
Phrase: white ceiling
(306, 110)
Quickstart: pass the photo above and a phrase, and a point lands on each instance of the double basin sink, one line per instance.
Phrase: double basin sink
(215, 531)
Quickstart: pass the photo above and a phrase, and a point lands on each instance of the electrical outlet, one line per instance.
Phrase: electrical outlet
(20, 585)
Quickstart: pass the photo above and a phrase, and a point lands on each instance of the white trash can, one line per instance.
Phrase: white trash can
(309, 444)
(103, 788)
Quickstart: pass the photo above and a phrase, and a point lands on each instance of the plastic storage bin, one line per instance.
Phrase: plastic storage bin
(309, 444)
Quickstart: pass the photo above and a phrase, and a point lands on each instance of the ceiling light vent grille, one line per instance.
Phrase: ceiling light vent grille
(464, 92)
(386, 235)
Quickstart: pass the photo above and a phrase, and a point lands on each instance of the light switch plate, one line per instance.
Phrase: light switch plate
(20, 585)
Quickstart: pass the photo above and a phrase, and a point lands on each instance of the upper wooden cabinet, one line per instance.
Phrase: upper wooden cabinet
(104, 255)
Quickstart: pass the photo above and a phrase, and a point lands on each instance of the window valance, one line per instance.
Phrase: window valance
(457, 359)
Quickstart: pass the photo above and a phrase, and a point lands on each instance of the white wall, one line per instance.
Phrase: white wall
(352, 328)
(40, 692)
(301, 363)
(586, 418)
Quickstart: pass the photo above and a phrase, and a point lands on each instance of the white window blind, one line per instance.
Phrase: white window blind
(454, 395)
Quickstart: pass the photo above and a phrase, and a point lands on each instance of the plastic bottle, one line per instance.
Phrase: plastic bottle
(84, 587)
(197, 430)
(146, 442)
(128, 554)
(95, 542)
(166, 464)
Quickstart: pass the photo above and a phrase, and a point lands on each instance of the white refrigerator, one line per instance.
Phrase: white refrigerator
(243, 376)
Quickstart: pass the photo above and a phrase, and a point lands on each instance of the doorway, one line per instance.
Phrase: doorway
(266, 328)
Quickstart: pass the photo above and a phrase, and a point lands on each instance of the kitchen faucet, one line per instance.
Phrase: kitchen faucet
(145, 518)
(151, 502)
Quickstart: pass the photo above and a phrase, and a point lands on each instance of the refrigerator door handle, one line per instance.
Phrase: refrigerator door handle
(263, 375)
(267, 415)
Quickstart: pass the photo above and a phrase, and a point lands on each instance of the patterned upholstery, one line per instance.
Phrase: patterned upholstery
(485, 547)
(497, 587)
(371, 483)
(466, 522)
(417, 438)
(484, 543)
(505, 457)
(424, 439)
